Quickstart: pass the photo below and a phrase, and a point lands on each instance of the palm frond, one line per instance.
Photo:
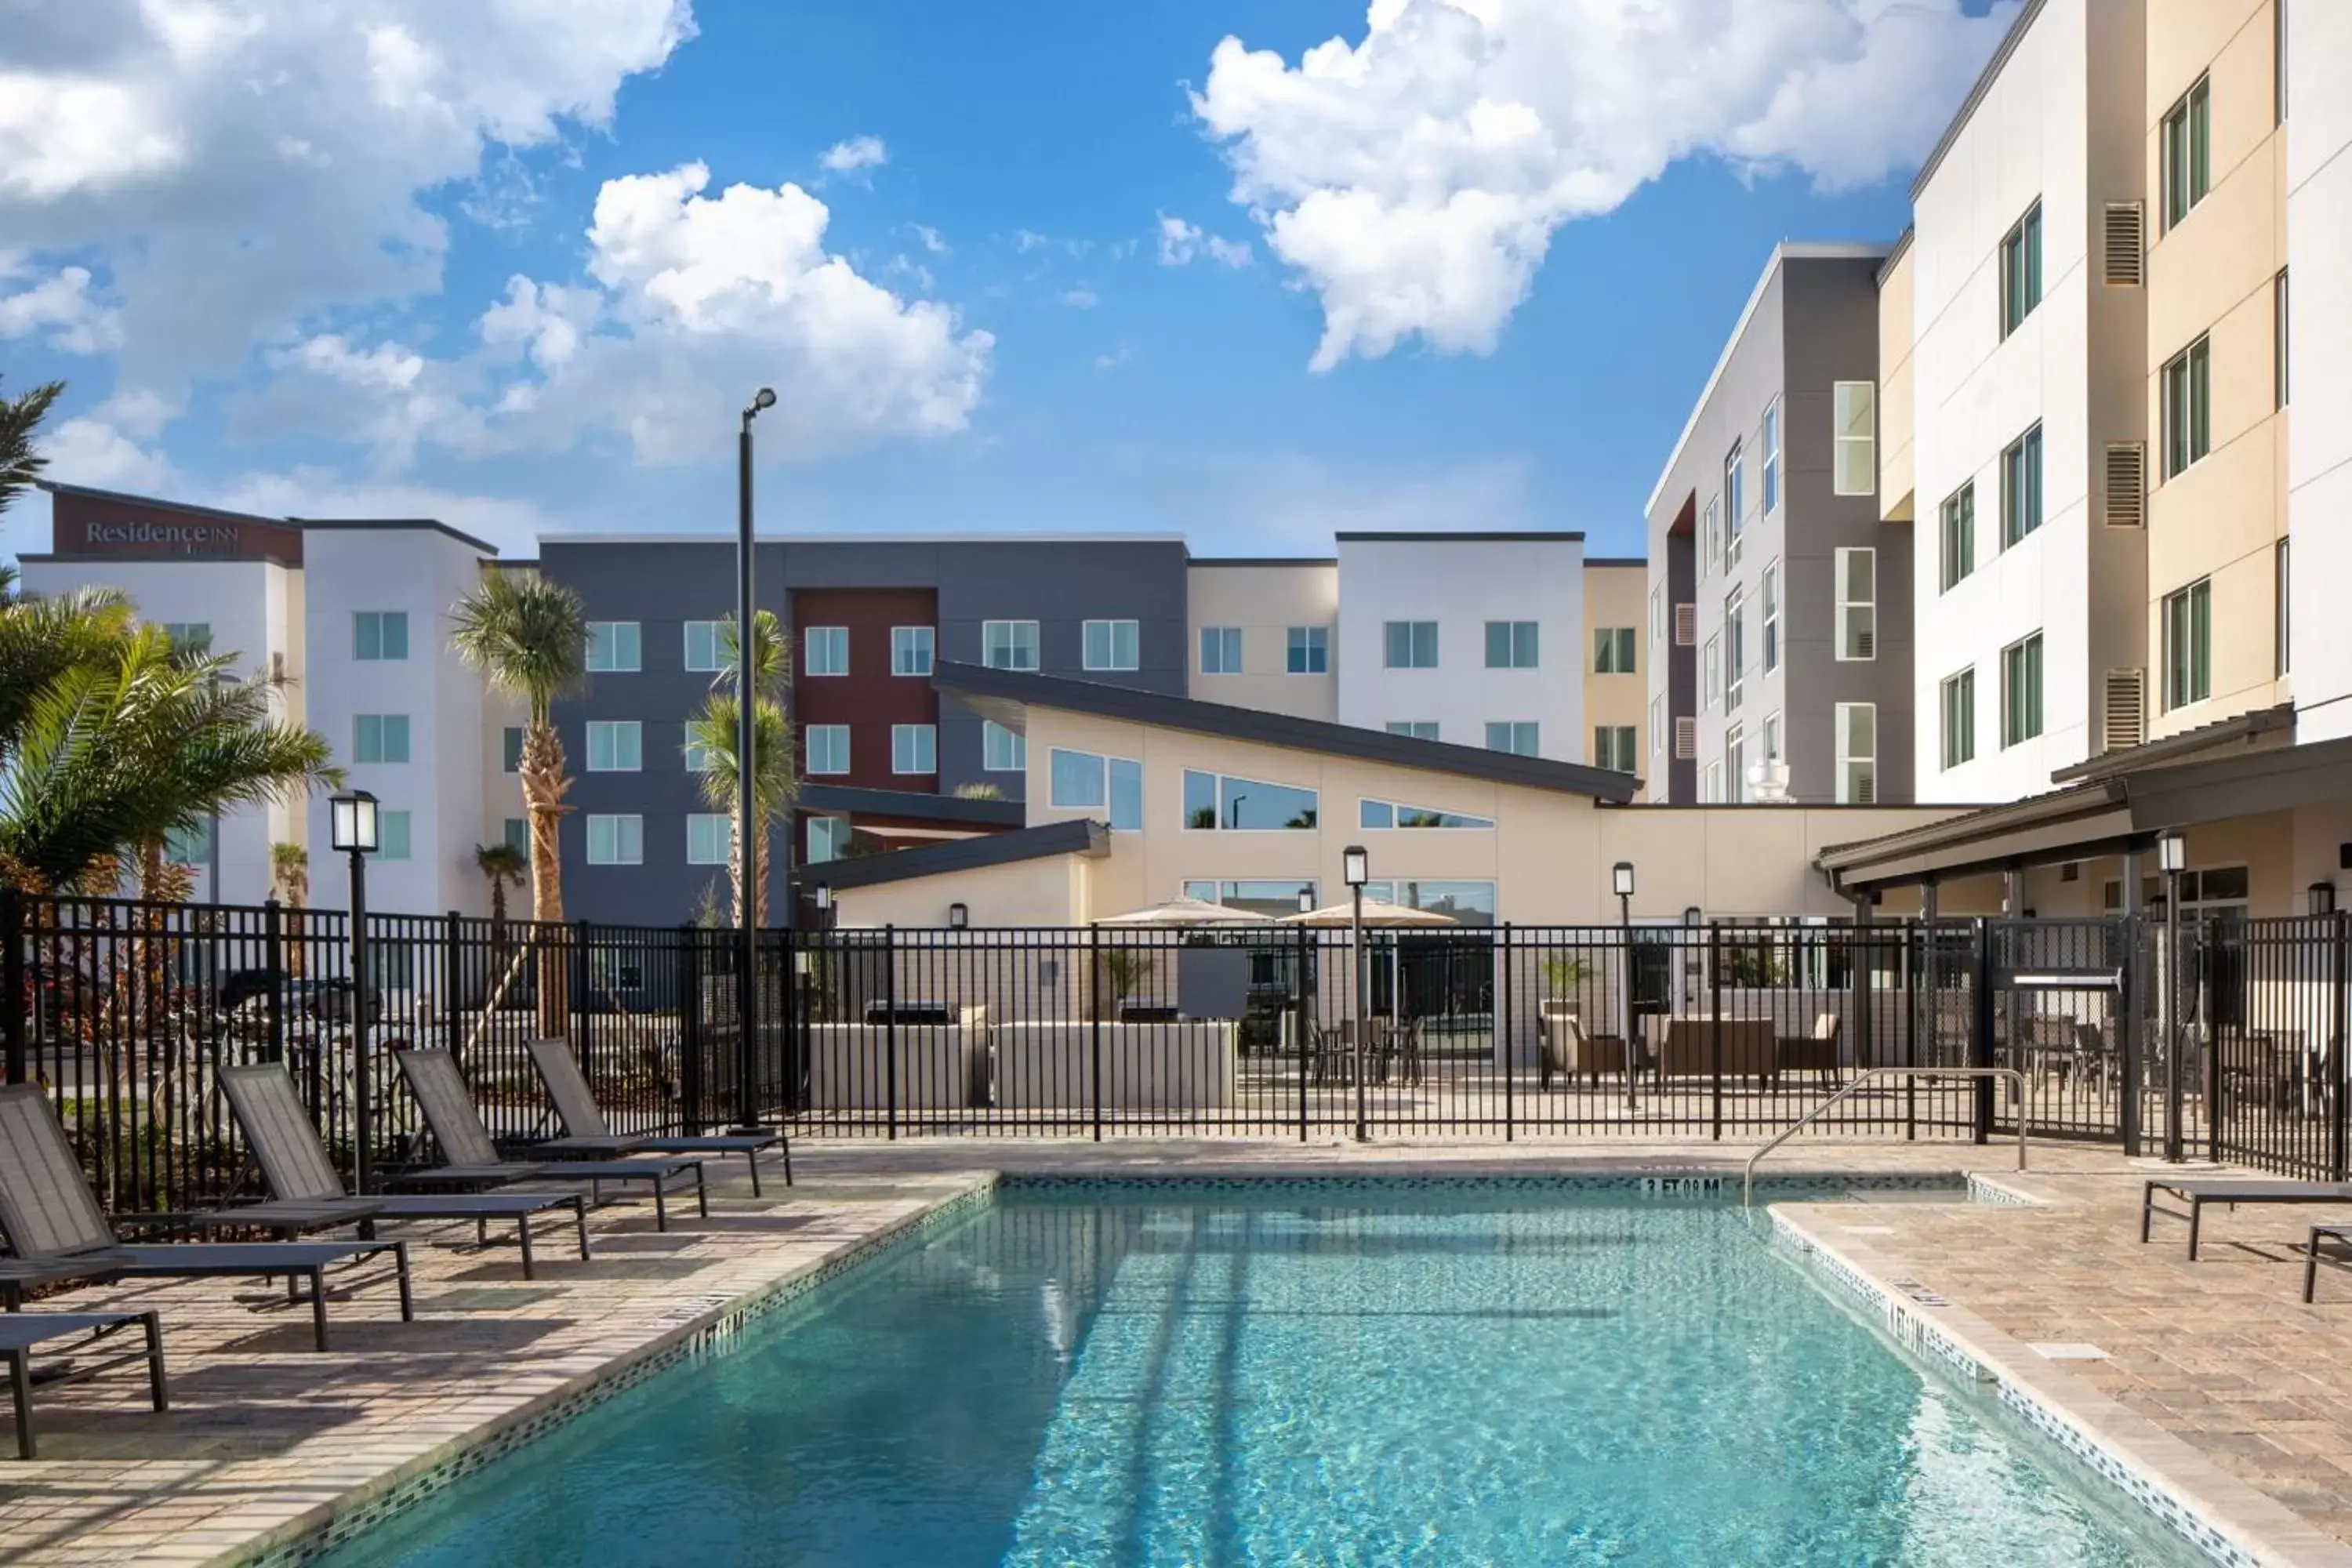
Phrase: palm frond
(527, 635)
(20, 421)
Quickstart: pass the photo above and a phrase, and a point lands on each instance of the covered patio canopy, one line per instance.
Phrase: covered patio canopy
(2117, 813)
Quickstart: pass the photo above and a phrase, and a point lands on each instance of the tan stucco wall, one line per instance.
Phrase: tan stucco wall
(1617, 596)
(1265, 602)
(1047, 892)
(1897, 408)
(2212, 274)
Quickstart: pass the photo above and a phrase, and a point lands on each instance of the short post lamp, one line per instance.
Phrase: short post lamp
(1356, 870)
(1621, 881)
(2172, 859)
(823, 897)
(1305, 900)
(352, 830)
(959, 917)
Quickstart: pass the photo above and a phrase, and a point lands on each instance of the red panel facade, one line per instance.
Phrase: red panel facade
(870, 699)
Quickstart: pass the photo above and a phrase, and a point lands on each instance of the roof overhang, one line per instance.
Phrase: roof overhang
(1091, 839)
(909, 805)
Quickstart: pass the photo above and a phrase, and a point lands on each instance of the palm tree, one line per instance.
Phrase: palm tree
(713, 731)
(289, 883)
(41, 638)
(20, 419)
(529, 638)
(501, 863)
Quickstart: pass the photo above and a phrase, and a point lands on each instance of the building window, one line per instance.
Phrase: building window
(1734, 502)
(1713, 795)
(1510, 645)
(1857, 754)
(1853, 415)
(1857, 605)
(914, 748)
(699, 758)
(2282, 581)
(380, 635)
(1735, 648)
(2187, 152)
(616, 746)
(1771, 736)
(1215, 801)
(1657, 615)
(2021, 270)
(1519, 739)
(1113, 644)
(828, 748)
(613, 648)
(1613, 748)
(1221, 650)
(1008, 644)
(1386, 814)
(191, 845)
(616, 840)
(1772, 456)
(1413, 729)
(1613, 648)
(1083, 780)
(510, 749)
(2187, 408)
(829, 838)
(1958, 703)
(913, 649)
(1735, 764)
(1714, 537)
(2278, 334)
(703, 649)
(380, 738)
(1957, 532)
(708, 834)
(1713, 660)
(2021, 487)
(1658, 722)
(824, 650)
(2189, 644)
(2020, 690)
(1002, 751)
(189, 636)
(394, 834)
(1409, 645)
(1771, 617)
(515, 833)
(1310, 650)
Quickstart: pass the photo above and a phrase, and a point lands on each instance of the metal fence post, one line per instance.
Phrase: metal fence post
(1912, 934)
(689, 1028)
(2131, 1053)
(1509, 1047)
(2209, 938)
(890, 1021)
(1305, 1023)
(452, 936)
(273, 961)
(14, 1003)
(1094, 1016)
(2338, 1006)
(579, 990)
(1714, 1021)
(1980, 1052)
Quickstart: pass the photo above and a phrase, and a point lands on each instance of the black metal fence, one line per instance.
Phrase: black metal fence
(1729, 1031)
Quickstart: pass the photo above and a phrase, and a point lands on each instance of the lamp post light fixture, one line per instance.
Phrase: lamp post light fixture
(1692, 918)
(1306, 900)
(823, 897)
(1356, 870)
(352, 828)
(1621, 880)
(747, 1103)
(2323, 898)
(2172, 859)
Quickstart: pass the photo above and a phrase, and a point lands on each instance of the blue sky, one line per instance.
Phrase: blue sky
(1058, 291)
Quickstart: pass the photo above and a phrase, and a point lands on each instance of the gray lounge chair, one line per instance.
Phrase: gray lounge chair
(55, 1226)
(20, 1332)
(2197, 1194)
(307, 1194)
(586, 1133)
(473, 1159)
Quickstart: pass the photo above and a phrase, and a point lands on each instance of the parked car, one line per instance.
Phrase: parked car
(327, 998)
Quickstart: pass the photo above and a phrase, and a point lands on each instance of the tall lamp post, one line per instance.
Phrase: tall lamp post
(1620, 878)
(352, 828)
(2172, 859)
(747, 991)
(1356, 870)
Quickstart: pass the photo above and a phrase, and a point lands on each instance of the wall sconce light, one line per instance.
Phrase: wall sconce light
(2323, 898)
(959, 916)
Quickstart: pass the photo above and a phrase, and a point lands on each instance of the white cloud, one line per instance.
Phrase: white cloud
(1026, 240)
(61, 307)
(1414, 179)
(930, 237)
(1180, 243)
(92, 451)
(854, 156)
(1081, 297)
(1112, 359)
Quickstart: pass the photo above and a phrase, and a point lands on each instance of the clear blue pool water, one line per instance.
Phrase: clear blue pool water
(1179, 1376)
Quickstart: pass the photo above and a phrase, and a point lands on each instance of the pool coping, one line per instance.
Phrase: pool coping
(2231, 1522)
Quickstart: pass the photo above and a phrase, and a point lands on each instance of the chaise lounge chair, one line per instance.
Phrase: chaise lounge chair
(2197, 1194)
(473, 1159)
(21, 1331)
(306, 1193)
(57, 1229)
(586, 1133)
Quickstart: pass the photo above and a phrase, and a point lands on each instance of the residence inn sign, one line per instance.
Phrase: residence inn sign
(96, 522)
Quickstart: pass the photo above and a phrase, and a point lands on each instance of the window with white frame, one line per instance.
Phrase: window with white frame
(1002, 751)
(2020, 690)
(1409, 645)
(616, 840)
(1771, 737)
(1221, 650)
(1388, 813)
(1857, 603)
(1712, 692)
(1856, 724)
(1220, 802)
(1008, 644)
(1413, 729)
(2021, 487)
(1713, 792)
(1658, 723)
(1956, 531)
(699, 758)
(1516, 737)
(914, 748)
(613, 646)
(1613, 648)
(1958, 701)
(2189, 644)
(379, 635)
(1112, 645)
(1084, 781)
(1735, 763)
(379, 737)
(1614, 748)
(2187, 152)
(827, 746)
(393, 835)
(189, 636)
(913, 649)
(1735, 649)
(1772, 456)
(2021, 270)
(707, 835)
(1771, 617)
(829, 838)
(824, 650)
(705, 650)
(192, 844)
(1309, 650)
(1657, 615)
(1853, 418)
(616, 746)
(1714, 534)
(1735, 497)
(2187, 408)
(1510, 645)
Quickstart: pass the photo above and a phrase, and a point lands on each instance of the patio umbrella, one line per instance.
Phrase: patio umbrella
(1377, 912)
(1187, 912)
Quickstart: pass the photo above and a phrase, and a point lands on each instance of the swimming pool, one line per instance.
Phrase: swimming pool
(1172, 1375)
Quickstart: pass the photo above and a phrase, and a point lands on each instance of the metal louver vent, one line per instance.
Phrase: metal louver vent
(2128, 484)
(1686, 624)
(2126, 709)
(1686, 740)
(2124, 244)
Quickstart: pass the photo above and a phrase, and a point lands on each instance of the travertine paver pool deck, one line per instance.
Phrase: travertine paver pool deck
(265, 1436)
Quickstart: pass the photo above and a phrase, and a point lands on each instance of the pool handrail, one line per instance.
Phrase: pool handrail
(2024, 1119)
